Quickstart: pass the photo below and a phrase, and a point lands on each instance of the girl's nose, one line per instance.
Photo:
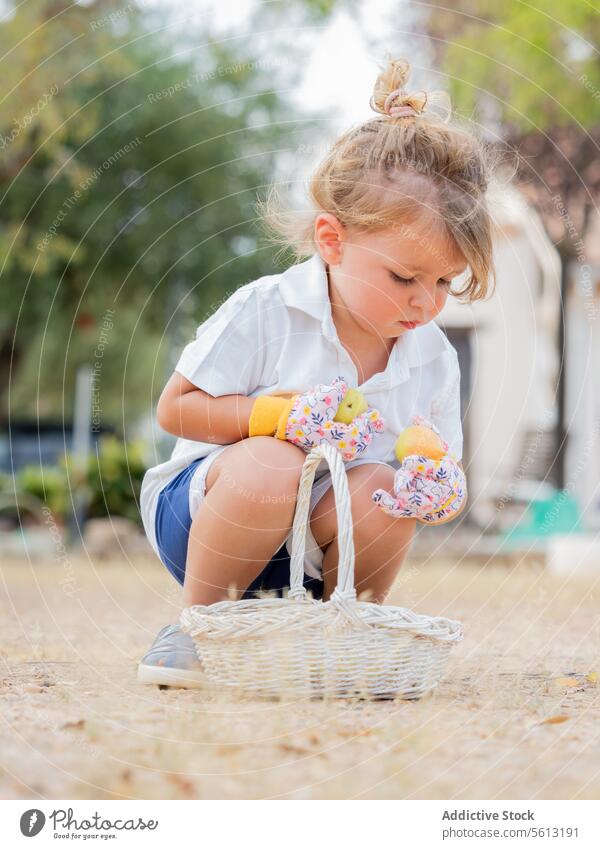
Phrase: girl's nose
(423, 298)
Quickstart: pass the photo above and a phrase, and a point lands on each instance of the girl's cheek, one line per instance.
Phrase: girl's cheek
(382, 309)
(370, 305)
(440, 302)
(379, 305)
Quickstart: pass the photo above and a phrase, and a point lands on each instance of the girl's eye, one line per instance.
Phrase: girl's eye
(406, 281)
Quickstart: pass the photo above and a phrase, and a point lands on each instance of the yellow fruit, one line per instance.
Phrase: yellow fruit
(420, 440)
(353, 404)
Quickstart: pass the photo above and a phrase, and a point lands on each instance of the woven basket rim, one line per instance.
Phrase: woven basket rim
(279, 611)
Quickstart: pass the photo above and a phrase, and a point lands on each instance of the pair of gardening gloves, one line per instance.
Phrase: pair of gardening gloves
(431, 491)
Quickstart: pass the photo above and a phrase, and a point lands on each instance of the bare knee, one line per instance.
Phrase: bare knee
(261, 466)
(363, 481)
(369, 521)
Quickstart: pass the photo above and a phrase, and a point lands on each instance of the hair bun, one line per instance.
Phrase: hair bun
(391, 99)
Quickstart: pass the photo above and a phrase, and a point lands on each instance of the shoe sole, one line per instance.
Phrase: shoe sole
(165, 676)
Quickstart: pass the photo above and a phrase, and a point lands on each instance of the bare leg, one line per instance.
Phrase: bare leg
(248, 511)
(381, 542)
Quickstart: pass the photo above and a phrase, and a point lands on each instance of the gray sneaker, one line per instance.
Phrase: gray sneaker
(172, 661)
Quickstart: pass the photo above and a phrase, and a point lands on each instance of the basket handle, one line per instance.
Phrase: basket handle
(344, 594)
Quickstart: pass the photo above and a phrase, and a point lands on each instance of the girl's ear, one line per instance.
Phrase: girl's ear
(328, 236)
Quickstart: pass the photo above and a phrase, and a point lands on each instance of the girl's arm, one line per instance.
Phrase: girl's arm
(189, 412)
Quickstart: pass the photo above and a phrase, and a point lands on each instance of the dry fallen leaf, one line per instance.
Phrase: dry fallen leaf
(555, 720)
(355, 732)
(78, 724)
(296, 750)
(592, 677)
(228, 749)
(184, 784)
(566, 682)
(300, 749)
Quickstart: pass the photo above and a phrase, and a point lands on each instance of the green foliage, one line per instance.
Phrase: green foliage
(129, 178)
(48, 484)
(111, 482)
(114, 479)
(535, 63)
(530, 74)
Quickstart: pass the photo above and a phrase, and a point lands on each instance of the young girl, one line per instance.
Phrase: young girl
(399, 211)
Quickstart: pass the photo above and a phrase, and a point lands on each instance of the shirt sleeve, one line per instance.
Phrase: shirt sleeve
(445, 410)
(226, 356)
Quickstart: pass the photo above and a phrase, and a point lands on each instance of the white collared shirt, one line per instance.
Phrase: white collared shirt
(276, 335)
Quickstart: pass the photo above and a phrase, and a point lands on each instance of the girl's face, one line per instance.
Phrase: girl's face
(380, 280)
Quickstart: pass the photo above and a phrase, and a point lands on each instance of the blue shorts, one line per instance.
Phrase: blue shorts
(172, 526)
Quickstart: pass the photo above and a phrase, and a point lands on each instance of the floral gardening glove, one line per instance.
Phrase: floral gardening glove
(306, 420)
(310, 421)
(432, 491)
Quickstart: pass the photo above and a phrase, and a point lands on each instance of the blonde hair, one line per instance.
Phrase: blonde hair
(386, 171)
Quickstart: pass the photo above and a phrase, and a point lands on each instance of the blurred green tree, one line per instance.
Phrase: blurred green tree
(128, 177)
(530, 72)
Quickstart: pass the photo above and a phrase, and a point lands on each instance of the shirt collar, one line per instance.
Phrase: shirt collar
(304, 286)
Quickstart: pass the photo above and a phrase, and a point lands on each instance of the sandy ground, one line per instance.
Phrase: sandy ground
(517, 715)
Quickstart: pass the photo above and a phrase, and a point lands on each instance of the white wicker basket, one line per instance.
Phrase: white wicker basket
(309, 648)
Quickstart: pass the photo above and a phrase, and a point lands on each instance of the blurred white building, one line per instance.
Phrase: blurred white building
(582, 401)
(509, 353)
(507, 348)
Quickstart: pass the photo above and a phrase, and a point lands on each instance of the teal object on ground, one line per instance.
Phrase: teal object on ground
(556, 515)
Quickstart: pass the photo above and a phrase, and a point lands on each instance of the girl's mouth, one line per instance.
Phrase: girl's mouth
(409, 324)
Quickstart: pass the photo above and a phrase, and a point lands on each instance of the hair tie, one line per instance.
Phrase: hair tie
(404, 110)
